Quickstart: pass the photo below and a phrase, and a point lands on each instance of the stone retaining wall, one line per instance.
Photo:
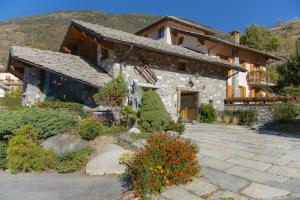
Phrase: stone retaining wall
(264, 114)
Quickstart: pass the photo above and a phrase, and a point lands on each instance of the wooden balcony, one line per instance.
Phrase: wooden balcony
(260, 78)
(257, 100)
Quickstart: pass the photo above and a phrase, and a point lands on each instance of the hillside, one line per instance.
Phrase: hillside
(47, 31)
(290, 32)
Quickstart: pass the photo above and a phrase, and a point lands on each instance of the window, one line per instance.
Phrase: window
(180, 40)
(211, 102)
(104, 54)
(161, 32)
(182, 67)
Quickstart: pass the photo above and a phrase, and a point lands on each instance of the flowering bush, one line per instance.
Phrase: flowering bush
(165, 161)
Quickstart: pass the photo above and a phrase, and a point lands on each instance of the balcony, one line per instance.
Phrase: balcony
(260, 78)
(258, 100)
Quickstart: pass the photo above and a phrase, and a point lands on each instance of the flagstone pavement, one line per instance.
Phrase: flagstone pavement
(238, 163)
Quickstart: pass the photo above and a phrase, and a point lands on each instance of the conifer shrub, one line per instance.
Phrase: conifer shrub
(129, 117)
(74, 161)
(207, 113)
(165, 161)
(284, 111)
(153, 114)
(47, 122)
(3, 149)
(76, 108)
(25, 154)
(90, 128)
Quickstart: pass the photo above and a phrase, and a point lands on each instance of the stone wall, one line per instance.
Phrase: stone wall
(32, 92)
(264, 114)
(210, 80)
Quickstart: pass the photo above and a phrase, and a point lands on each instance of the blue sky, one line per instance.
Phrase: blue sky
(225, 15)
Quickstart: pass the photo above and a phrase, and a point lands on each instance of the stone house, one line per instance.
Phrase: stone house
(181, 60)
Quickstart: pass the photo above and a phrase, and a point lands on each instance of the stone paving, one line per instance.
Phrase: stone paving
(238, 163)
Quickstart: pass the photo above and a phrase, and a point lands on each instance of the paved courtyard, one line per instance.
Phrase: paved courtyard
(240, 164)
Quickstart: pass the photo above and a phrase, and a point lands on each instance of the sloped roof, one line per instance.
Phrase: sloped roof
(226, 42)
(130, 39)
(71, 66)
(178, 20)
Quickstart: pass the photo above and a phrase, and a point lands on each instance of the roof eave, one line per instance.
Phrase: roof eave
(47, 69)
(229, 66)
(172, 19)
(214, 39)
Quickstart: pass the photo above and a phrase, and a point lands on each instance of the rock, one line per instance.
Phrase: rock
(139, 144)
(172, 133)
(107, 162)
(100, 142)
(65, 143)
(134, 131)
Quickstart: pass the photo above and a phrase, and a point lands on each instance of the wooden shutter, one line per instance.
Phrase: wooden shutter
(244, 92)
(230, 72)
(251, 67)
(252, 93)
(229, 90)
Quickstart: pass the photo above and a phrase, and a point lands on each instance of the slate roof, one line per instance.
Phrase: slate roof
(71, 66)
(226, 42)
(130, 39)
(178, 20)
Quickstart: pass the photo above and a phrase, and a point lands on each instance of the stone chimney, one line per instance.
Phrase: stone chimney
(235, 37)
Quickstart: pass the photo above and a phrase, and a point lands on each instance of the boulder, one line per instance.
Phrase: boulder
(134, 131)
(107, 162)
(65, 143)
(172, 133)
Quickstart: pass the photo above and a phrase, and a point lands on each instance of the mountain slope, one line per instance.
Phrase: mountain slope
(47, 31)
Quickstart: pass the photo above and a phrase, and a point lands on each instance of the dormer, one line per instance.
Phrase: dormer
(161, 29)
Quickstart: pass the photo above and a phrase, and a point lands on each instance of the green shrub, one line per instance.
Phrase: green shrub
(179, 127)
(153, 114)
(113, 93)
(291, 91)
(284, 111)
(11, 102)
(164, 162)
(74, 161)
(241, 117)
(3, 149)
(47, 122)
(207, 113)
(90, 128)
(246, 117)
(68, 106)
(128, 116)
(24, 154)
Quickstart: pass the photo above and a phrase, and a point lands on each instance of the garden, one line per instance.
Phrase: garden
(65, 137)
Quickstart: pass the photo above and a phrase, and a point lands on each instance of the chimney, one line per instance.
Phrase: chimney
(235, 37)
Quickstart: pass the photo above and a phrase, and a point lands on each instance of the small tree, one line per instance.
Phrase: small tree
(260, 38)
(290, 70)
(112, 95)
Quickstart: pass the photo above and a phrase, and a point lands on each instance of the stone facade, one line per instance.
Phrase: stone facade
(209, 80)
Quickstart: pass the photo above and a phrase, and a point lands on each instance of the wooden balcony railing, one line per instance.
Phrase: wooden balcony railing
(247, 100)
(260, 78)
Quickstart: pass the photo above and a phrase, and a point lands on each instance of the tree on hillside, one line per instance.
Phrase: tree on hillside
(290, 70)
(260, 38)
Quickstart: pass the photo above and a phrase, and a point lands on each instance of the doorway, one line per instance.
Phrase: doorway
(188, 105)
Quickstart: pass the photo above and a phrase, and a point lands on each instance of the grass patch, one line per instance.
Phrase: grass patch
(139, 136)
(291, 126)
